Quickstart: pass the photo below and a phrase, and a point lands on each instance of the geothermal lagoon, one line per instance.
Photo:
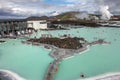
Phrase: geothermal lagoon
(31, 62)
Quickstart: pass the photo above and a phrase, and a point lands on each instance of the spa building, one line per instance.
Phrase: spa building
(13, 25)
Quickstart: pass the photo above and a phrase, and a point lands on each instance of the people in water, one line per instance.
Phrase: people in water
(82, 75)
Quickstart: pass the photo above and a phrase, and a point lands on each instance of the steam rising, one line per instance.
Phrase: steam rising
(106, 15)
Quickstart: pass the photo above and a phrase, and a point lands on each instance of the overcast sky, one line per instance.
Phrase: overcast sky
(25, 8)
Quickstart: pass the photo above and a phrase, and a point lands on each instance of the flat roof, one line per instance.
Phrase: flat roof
(14, 20)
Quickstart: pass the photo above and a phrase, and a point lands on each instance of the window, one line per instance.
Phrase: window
(42, 22)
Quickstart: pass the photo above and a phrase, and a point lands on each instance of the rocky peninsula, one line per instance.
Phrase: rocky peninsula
(65, 43)
(62, 48)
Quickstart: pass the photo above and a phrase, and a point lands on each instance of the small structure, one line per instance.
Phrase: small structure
(36, 23)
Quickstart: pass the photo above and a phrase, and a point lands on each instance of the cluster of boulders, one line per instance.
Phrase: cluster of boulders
(66, 43)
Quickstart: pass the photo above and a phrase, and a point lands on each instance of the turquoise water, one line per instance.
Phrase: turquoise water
(31, 62)
(28, 61)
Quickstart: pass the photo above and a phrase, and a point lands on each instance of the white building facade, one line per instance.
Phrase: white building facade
(37, 24)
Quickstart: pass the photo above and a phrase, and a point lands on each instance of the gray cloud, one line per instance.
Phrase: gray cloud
(24, 8)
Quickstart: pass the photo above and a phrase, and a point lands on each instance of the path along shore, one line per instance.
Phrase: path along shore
(59, 54)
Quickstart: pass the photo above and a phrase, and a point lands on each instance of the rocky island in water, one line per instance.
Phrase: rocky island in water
(63, 48)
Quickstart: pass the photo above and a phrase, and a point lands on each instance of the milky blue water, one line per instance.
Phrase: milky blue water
(31, 62)
(28, 61)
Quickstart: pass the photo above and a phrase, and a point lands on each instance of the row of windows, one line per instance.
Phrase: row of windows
(39, 22)
(43, 22)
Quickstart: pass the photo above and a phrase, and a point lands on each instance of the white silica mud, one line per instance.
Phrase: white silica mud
(9, 75)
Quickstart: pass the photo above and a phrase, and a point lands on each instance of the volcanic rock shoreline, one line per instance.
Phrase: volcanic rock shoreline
(65, 43)
(62, 49)
(87, 23)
